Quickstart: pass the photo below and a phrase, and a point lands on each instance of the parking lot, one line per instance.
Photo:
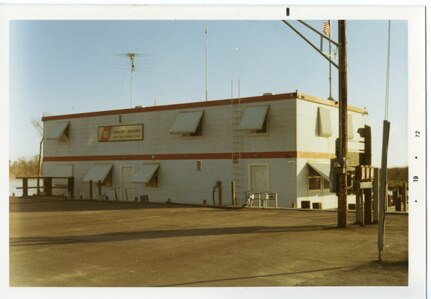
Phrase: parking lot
(86, 243)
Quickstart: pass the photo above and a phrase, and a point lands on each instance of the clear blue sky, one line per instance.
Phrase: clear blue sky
(62, 67)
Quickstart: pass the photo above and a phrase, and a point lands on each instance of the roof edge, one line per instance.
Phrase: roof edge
(211, 103)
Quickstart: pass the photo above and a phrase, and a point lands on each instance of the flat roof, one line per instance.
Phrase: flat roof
(211, 103)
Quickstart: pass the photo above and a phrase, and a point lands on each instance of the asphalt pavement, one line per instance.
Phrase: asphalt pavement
(65, 243)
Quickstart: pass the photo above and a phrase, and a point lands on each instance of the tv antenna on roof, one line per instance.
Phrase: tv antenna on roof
(131, 57)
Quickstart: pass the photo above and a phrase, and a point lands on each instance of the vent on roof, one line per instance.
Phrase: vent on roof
(268, 94)
(139, 106)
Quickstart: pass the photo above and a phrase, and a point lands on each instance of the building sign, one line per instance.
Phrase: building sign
(121, 133)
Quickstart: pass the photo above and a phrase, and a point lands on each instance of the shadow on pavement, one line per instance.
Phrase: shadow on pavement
(146, 235)
(254, 276)
(58, 205)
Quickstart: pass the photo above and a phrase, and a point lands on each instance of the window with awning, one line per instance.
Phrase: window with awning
(254, 119)
(318, 175)
(324, 119)
(57, 131)
(100, 172)
(147, 174)
(188, 123)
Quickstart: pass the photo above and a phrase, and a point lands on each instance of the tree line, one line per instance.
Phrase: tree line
(397, 176)
(23, 167)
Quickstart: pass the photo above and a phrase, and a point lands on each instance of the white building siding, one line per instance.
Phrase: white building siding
(308, 139)
(216, 135)
(292, 130)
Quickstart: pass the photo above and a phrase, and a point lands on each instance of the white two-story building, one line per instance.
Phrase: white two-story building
(279, 143)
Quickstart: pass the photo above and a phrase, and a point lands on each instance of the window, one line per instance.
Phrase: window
(198, 165)
(57, 131)
(254, 119)
(262, 130)
(188, 124)
(147, 174)
(324, 121)
(154, 181)
(318, 176)
(314, 179)
(100, 172)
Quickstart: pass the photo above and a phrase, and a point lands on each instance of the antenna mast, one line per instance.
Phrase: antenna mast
(131, 56)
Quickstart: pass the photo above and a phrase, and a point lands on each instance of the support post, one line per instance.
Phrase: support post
(342, 131)
(368, 206)
(47, 186)
(404, 197)
(24, 187)
(361, 210)
(99, 188)
(71, 186)
(91, 189)
(376, 196)
(383, 188)
(233, 192)
(220, 196)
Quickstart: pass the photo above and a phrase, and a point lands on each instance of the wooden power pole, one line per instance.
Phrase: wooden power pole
(342, 131)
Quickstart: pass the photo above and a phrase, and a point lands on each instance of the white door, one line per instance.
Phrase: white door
(258, 178)
(126, 184)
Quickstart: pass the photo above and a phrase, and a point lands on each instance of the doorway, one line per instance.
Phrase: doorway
(258, 178)
(126, 185)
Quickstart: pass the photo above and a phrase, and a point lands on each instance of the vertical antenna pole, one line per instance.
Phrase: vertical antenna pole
(388, 71)
(131, 89)
(231, 89)
(132, 70)
(384, 164)
(206, 62)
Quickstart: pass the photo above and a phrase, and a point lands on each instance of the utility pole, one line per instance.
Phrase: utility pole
(342, 130)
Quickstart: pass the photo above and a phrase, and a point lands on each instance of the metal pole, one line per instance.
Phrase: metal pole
(310, 43)
(206, 62)
(132, 70)
(385, 144)
(383, 187)
(342, 116)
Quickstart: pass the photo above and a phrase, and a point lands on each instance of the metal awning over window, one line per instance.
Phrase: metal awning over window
(322, 168)
(325, 128)
(98, 173)
(56, 130)
(186, 122)
(253, 118)
(64, 171)
(145, 173)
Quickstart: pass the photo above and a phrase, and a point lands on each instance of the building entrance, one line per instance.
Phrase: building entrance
(258, 178)
(126, 184)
